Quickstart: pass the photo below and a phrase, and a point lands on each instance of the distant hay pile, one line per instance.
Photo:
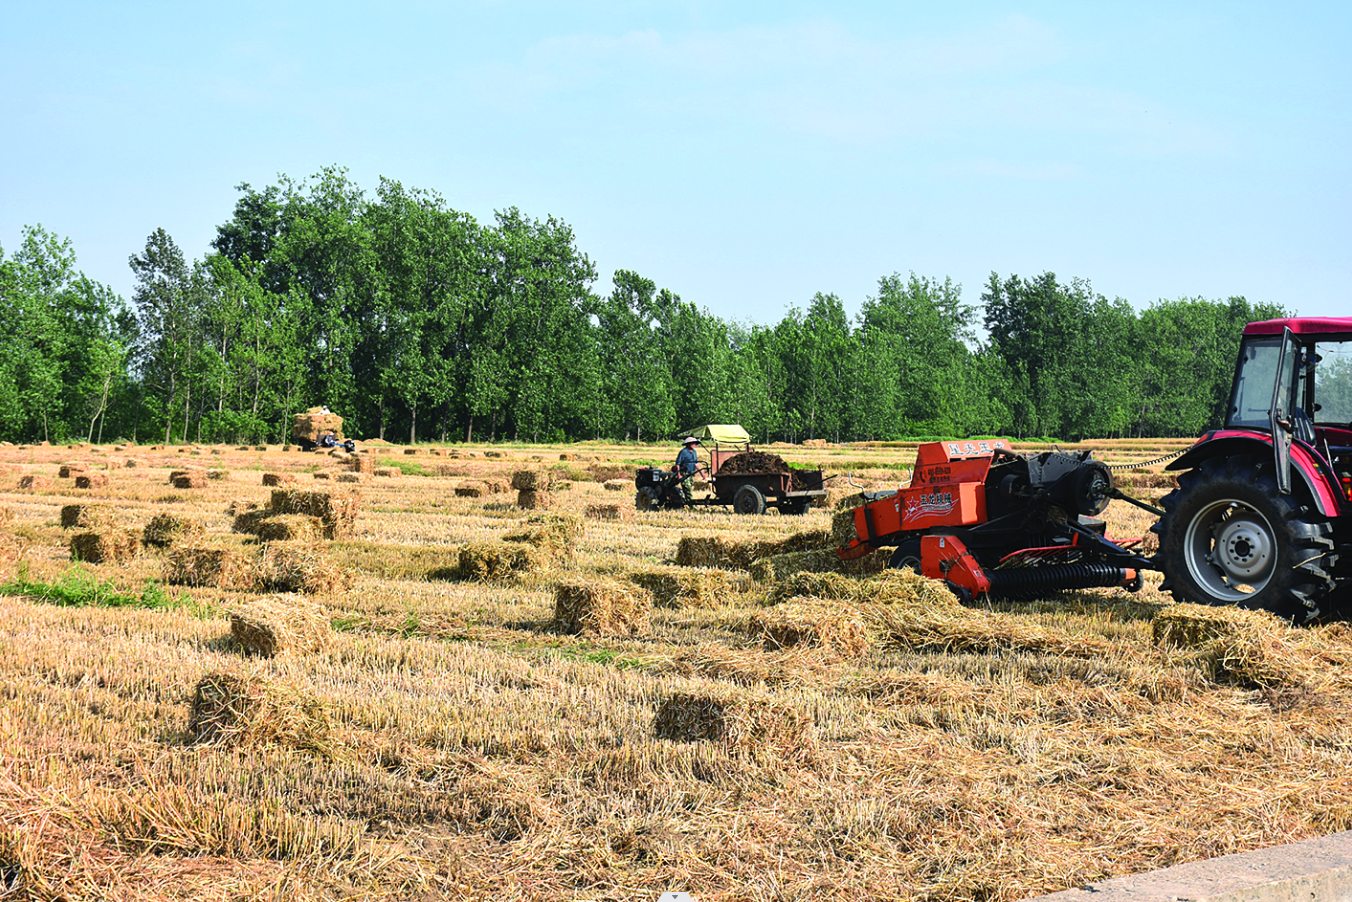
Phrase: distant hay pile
(234, 709)
(498, 561)
(216, 567)
(278, 479)
(348, 477)
(1252, 649)
(31, 481)
(386, 472)
(362, 463)
(165, 530)
(87, 516)
(618, 485)
(68, 470)
(300, 567)
(600, 608)
(216, 475)
(132, 463)
(275, 625)
(91, 480)
(748, 724)
(323, 476)
(688, 587)
(496, 486)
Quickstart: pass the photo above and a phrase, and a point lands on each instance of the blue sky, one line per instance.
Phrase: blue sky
(745, 155)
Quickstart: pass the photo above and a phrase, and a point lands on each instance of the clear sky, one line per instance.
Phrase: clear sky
(743, 154)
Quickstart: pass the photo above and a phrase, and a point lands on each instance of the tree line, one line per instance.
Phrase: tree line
(416, 322)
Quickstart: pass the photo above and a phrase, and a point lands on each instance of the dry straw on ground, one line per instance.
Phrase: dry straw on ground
(1253, 649)
(748, 724)
(607, 512)
(105, 546)
(235, 709)
(812, 623)
(600, 608)
(274, 625)
(167, 529)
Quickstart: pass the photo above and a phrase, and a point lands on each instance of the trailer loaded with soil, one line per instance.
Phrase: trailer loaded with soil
(750, 481)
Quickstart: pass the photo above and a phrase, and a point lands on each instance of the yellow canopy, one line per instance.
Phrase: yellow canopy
(721, 434)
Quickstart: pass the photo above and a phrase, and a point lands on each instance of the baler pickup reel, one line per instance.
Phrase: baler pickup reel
(998, 524)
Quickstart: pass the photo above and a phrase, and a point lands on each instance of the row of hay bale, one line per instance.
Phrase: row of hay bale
(812, 550)
(272, 567)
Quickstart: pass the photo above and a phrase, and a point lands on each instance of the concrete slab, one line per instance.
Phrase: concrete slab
(1317, 870)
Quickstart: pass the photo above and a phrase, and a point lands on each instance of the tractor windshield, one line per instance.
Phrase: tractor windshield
(1333, 383)
(1252, 398)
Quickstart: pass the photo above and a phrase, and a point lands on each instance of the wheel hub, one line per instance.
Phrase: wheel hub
(1243, 549)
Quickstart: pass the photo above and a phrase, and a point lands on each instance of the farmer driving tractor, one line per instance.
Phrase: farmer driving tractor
(687, 461)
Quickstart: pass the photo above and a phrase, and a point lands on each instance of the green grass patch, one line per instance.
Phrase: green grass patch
(79, 588)
(407, 467)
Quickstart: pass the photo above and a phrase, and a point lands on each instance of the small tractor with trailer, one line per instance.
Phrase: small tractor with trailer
(748, 480)
(1261, 518)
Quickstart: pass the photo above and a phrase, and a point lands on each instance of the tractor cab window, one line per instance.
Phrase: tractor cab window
(1252, 398)
(1333, 383)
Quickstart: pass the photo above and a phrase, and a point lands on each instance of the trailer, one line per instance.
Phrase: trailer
(749, 481)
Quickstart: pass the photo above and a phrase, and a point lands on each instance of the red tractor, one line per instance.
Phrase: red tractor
(1262, 516)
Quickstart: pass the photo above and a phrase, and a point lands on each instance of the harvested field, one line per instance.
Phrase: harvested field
(818, 734)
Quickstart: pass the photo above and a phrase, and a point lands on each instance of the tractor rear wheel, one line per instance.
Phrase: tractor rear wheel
(645, 499)
(748, 500)
(1228, 536)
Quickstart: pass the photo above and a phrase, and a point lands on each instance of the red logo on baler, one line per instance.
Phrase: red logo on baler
(934, 505)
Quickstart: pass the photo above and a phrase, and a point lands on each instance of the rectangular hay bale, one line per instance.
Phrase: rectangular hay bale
(214, 567)
(107, 546)
(531, 480)
(600, 608)
(272, 625)
(301, 567)
(91, 480)
(497, 561)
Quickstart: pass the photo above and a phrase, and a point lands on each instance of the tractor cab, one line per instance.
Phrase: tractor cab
(1294, 383)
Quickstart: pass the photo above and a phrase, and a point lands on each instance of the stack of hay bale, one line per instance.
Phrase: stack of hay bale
(275, 625)
(689, 587)
(335, 514)
(165, 530)
(91, 480)
(310, 425)
(100, 541)
(532, 487)
(235, 709)
(190, 478)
